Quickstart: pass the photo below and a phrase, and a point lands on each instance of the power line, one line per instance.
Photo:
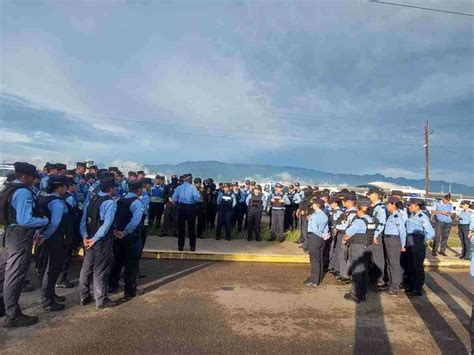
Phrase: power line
(421, 8)
(311, 138)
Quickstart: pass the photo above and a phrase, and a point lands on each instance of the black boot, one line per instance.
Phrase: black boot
(20, 321)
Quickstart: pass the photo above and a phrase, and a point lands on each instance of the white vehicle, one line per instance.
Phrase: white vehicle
(5, 169)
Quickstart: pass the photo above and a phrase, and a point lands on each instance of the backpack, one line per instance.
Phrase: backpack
(7, 212)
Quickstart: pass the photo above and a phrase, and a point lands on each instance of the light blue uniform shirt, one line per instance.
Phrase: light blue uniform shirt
(23, 203)
(465, 217)
(44, 183)
(318, 223)
(57, 208)
(358, 226)
(344, 225)
(221, 196)
(296, 198)
(187, 194)
(381, 215)
(71, 200)
(158, 193)
(395, 225)
(244, 193)
(145, 198)
(448, 207)
(137, 208)
(107, 211)
(420, 223)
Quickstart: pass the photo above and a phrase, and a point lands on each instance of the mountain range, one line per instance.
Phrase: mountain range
(229, 172)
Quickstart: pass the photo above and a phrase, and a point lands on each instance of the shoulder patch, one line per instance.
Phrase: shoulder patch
(395, 216)
(420, 214)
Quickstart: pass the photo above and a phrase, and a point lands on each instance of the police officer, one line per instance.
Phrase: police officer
(465, 219)
(358, 236)
(157, 202)
(52, 170)
(212, 202)
(378, 211)
(90, 179)
(443, 212)
(419, 231)
(236, 192)
(127, 246)
(242, 206)
(334, 214)
(318, 232)
(201, 208)
(185, 197)
(394, 241)
(302, 213)
(20, 217)
(400, 205)
(169, 218)
(70, 224)
(344, 222)
(51, 245)
(255, 205)
(96, 230)
(279, 200)
(226, 201)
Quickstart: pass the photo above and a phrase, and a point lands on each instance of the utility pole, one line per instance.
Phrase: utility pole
(427, 161)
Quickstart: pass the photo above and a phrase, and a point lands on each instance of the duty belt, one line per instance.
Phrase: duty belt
(157, 199)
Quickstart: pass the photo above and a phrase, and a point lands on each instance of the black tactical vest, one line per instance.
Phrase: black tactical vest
(226, 201)
(123, 215)
(365, 238)
(7, 212)
(93, 221)
(255, 202)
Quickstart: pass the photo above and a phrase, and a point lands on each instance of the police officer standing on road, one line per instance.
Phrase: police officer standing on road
(278, 200)
(443, 212)
(70, 223)
(185, 197)
(318, 232)
(255, 204)
(344, 222)
(465, 219)
(242, 206)
(359, 237)
(378, 211)
(302, 213)
(334, 214)
(157, 202)
(96, 231)
(51, 244)
(169, 217)
(394, 242)
(226, 201)
(212, 203)
(127, 246)
(20, 216)
(419, 231)
(201, 208)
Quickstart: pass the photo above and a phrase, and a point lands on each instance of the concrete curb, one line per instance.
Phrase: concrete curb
(273, 258)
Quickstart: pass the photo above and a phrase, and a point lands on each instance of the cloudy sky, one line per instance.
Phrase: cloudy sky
(339, 86)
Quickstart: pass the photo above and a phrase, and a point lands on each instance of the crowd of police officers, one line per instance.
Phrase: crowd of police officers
(55, 212)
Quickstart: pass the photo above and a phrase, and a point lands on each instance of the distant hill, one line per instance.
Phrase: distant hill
(229, 171)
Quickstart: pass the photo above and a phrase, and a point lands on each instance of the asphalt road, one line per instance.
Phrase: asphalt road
(210, 307)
